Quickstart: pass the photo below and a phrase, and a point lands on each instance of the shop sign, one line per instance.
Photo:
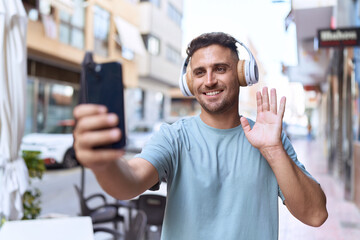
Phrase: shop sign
(340, 37)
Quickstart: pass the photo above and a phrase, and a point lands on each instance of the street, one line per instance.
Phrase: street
(58, 192)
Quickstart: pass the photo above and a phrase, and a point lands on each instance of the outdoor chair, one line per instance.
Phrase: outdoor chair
(136, 230)
(103, 213)
(154, 207)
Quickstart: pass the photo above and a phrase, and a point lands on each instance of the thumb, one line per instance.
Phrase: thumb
(245, 125)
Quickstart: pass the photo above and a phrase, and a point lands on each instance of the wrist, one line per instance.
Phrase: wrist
(273, 153)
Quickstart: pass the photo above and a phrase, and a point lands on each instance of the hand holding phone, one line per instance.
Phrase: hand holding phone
(102, 84)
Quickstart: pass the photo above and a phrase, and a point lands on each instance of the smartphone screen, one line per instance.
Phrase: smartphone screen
(103, 85)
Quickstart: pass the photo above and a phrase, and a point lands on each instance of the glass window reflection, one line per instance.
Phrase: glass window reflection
(72, 26)
(101, 30)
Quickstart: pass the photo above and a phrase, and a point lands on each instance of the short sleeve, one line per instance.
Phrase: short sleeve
(160, 151)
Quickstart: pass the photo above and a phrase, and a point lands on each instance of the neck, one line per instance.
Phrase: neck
(220, 121)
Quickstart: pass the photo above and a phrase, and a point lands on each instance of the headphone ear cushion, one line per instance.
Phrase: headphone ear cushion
(254, 73)
(241, 73)
(189, 79)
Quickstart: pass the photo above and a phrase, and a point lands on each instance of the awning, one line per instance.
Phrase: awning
(302, 4)
(129, 35)
(309, 20)
(309, 16)
(65, 5)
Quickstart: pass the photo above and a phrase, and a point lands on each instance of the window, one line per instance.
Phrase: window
(152, 44)
(174, 14)
(173, 55)
(134, 97)
(160, 101)
(48, 103)
(71, 30)
(30, 106)
(101, 30)
(60, 103)
(155, 2)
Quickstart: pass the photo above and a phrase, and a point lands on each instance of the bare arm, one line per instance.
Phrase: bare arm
(303, 196)
(120, 178)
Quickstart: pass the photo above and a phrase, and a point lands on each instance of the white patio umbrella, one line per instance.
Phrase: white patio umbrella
(13, 171)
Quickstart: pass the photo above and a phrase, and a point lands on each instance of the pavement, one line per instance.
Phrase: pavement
(343, 222)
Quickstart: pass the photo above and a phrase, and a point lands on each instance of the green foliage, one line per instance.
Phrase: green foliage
(31, 199)
(31, 204)
(2, 221)
(35, 166)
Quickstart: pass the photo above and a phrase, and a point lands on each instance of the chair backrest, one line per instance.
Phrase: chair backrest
(85, 210)
(154, 208)
(138, 226)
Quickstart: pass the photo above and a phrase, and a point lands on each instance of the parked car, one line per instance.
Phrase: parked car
(139, 134)
(296, 131)
(55, 144)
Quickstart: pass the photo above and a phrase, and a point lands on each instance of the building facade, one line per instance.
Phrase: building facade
(330, 73)
(60, 32)
(159, 70)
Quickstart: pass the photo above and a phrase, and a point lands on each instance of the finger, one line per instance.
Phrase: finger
(95, 122)
(259, 102)
(265, 99)
(273, 102)
(98, 138)
(245, 125)
(282, 107)
(84, 110)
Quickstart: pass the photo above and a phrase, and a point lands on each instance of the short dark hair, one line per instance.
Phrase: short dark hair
(207, 39)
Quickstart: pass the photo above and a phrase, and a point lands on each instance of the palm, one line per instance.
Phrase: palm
(267, 130)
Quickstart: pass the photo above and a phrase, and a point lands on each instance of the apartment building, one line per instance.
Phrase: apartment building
(145, 36)
(159, 70)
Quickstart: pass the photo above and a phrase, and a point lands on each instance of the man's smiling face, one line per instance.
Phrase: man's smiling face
(214, 74)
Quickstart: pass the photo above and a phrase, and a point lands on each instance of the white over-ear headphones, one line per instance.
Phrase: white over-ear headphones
(247, 70)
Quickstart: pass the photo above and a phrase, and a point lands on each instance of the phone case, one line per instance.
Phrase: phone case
(102, 84)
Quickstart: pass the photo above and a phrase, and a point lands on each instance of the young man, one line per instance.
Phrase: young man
(224, 174)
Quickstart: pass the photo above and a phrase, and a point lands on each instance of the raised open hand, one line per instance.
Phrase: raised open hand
(266, 133)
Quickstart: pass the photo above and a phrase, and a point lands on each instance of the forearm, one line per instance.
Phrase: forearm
(303, 196)
(124, 179)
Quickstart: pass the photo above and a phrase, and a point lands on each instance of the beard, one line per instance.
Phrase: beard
(216, 107)
(219, 106)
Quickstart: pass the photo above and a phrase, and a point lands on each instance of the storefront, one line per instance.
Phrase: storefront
(52, 93)
(342, 127)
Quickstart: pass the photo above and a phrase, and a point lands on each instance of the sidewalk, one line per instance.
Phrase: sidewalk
(343, 222)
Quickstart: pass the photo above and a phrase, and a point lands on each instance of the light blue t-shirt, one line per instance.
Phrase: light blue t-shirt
(218, 185)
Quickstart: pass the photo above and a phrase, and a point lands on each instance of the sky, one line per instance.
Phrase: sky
(261, 21)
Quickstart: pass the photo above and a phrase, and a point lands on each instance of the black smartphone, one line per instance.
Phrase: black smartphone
(102, 84)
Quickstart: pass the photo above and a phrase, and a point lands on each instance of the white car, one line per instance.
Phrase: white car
(139, 134)
(54, 144)
(296, 131)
